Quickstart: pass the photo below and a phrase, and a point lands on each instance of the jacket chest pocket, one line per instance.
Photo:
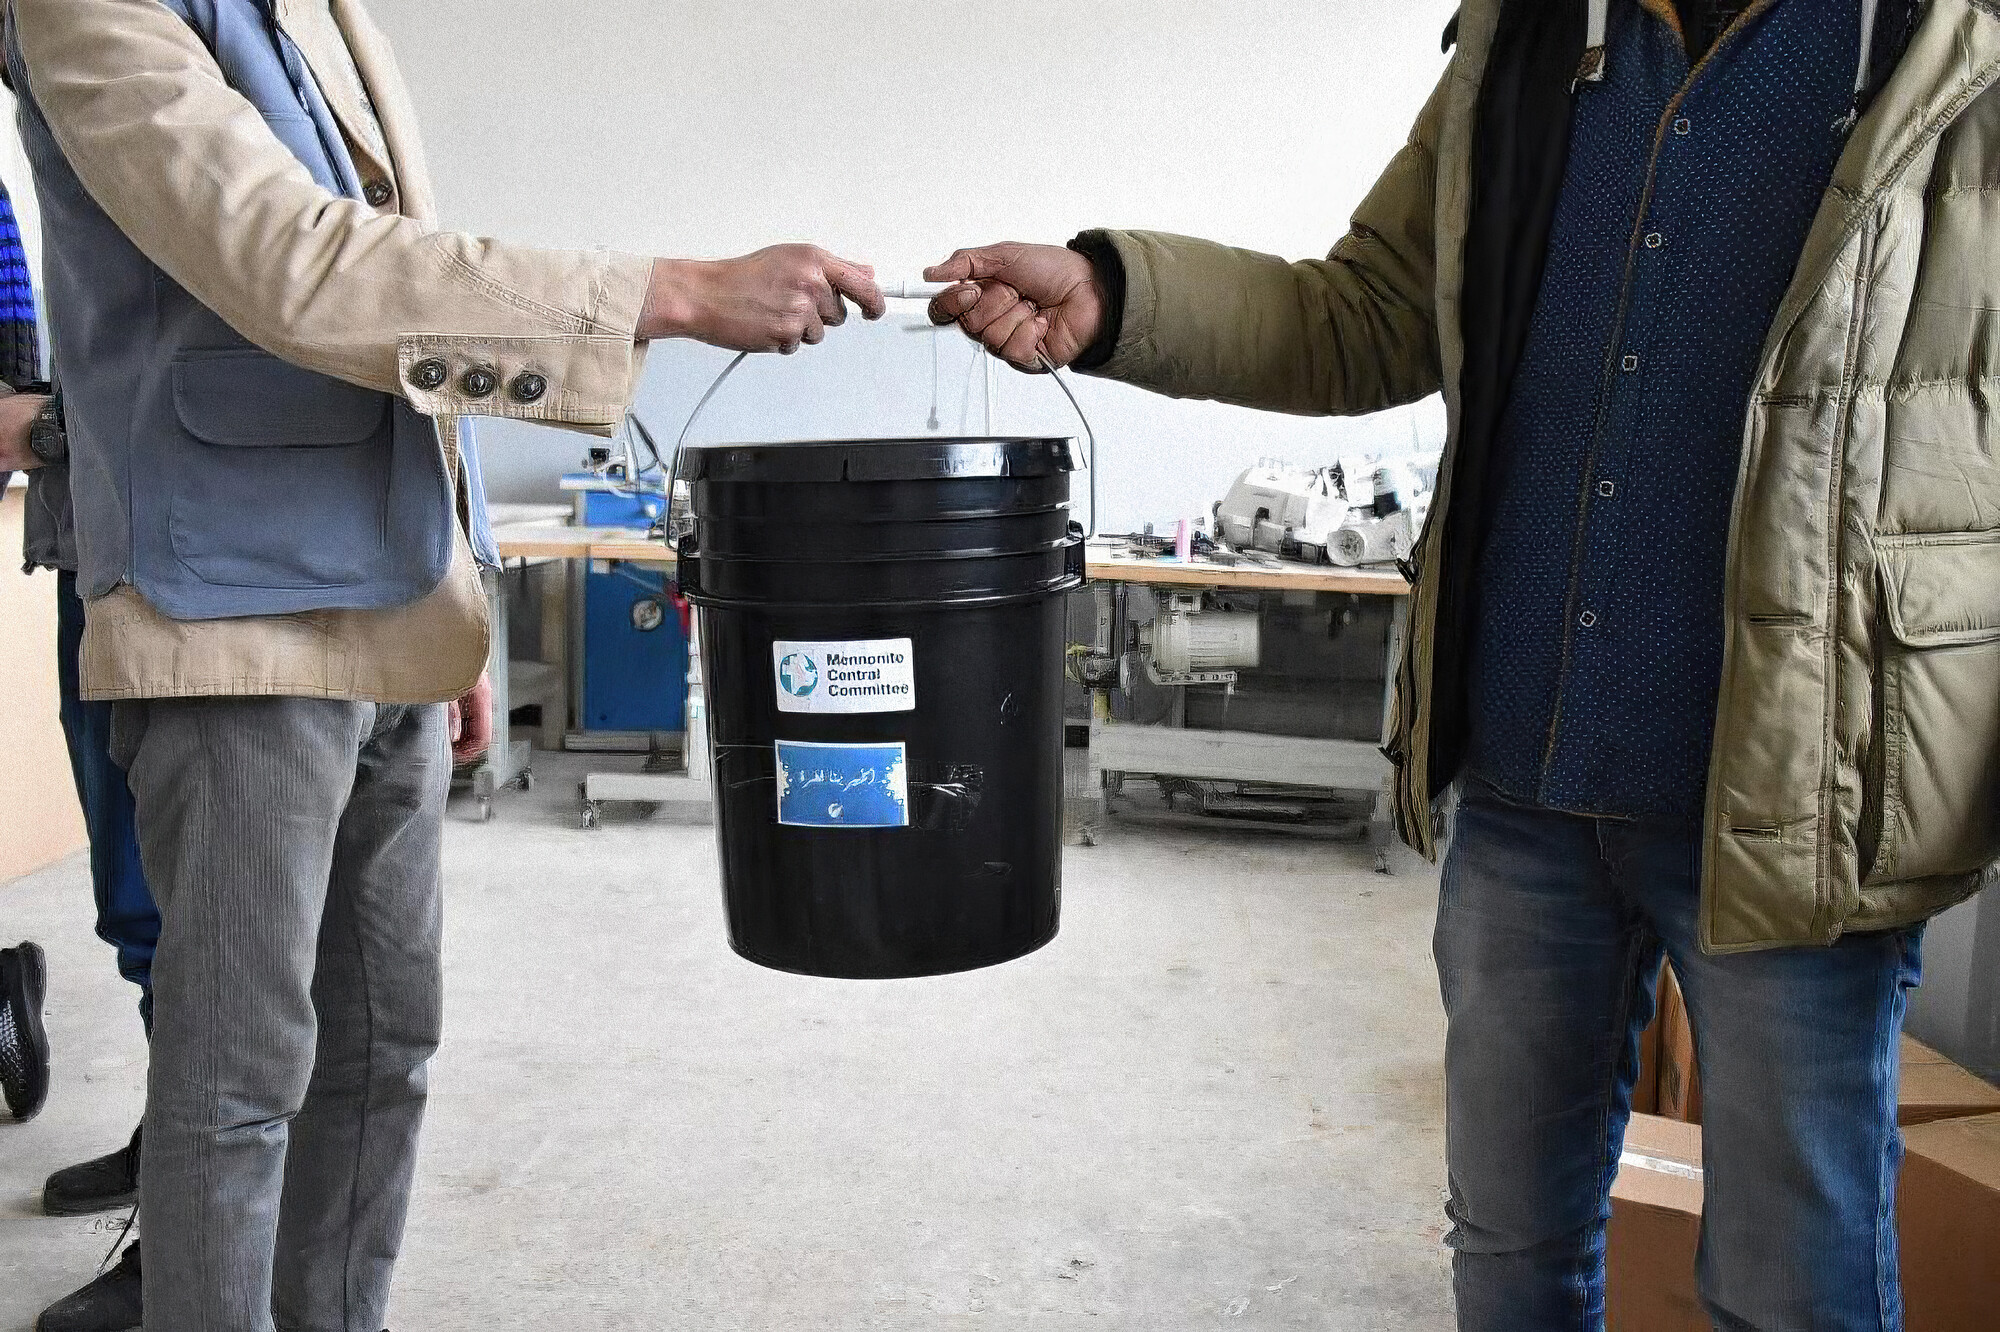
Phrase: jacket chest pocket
(1939, 701)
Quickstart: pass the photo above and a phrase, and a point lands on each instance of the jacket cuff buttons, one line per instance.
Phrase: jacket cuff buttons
(478, 382)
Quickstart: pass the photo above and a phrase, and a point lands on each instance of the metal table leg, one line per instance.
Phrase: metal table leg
(507, 759)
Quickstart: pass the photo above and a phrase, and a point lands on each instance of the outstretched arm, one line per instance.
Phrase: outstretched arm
(191, 173)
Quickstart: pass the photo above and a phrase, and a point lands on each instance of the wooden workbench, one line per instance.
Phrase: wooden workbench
(1117, 749)
(509, 761)
(552, 541)
(1287, 576)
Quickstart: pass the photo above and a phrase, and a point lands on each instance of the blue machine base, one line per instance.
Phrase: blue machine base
(635, 655)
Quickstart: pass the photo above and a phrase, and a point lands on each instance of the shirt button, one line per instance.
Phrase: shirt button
(479, 382)
(1588, 619)
(429, 375)
(1683, 127)
(528, 387)
(1607, 488)
(1630, 363)
(1654, 240)
(377, 193)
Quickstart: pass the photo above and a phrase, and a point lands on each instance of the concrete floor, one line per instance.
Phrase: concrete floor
(1214, 1101)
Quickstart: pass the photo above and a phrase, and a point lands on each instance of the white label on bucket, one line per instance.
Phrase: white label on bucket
(876, 675)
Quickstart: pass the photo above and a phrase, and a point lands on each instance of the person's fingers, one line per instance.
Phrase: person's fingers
(832, 309)
(995, 300)
(975, 265)
(471, 722)
(485, 706)
(948, 305)
(1002, 330)
(815, 330)
(857, 283)
(1023, 347)
(961, 267)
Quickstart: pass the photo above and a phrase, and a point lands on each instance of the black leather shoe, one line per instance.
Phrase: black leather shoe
(108, 1304)
(24, 1046)
(104, 1185)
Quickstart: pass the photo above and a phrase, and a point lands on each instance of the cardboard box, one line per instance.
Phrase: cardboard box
(1933, 1087)
(1679, 1095)
(1949, 1211)
(1655, 1229)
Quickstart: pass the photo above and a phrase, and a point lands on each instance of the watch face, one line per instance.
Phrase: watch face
(46, 439)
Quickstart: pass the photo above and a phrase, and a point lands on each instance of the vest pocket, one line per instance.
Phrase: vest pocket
(283, 476)
(1939, 704)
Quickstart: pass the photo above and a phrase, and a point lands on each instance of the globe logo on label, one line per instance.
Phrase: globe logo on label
(799, 674)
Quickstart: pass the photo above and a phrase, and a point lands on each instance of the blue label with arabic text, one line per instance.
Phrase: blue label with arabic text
(843, 786)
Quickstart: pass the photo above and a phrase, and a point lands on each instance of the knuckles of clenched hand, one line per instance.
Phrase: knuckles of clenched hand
(1030, 305)
(777, 299)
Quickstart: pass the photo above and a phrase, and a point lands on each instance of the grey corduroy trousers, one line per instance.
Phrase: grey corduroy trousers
(293, 845)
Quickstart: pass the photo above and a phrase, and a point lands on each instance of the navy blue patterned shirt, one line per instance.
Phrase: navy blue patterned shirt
(1688, 194)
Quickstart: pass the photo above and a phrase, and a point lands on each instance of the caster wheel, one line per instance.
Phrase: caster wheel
(486, 811)
(590, 818)
(1382, 865)
(527, 779)
(1090, 837)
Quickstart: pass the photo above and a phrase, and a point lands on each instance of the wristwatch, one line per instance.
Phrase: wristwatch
(48, 439)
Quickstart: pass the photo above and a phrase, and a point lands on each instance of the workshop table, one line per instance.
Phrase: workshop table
(1238, 756)
(554, 541)
(1114, 748)
(1283, 576)
(685, 793)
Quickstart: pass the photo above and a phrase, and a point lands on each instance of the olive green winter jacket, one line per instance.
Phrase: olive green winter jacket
(1856, 779)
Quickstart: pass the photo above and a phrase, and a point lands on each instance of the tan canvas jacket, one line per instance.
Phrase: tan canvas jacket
(362, 290)
(1856, 780)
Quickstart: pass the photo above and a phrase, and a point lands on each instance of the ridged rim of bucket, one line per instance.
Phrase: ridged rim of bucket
(918, 458)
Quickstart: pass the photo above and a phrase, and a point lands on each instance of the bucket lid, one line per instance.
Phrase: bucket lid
(923, 458)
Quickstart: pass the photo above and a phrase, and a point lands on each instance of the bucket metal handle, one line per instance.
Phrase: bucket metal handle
(1089, 435)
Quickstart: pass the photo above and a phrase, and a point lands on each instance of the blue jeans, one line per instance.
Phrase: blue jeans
(126, 916)
(1550, 932)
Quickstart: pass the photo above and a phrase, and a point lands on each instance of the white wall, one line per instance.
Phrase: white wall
(896, 130)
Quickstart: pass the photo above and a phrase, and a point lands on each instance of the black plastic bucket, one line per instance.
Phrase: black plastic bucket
(882, 636)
